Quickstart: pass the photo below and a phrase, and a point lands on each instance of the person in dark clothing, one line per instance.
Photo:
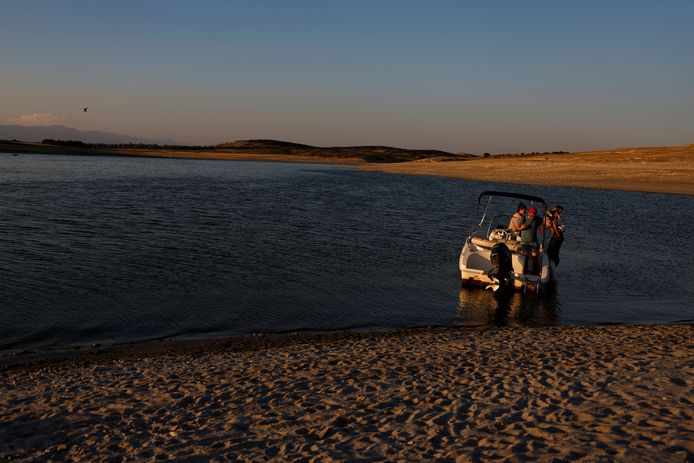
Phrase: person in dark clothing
(528, 234)
(555, 224)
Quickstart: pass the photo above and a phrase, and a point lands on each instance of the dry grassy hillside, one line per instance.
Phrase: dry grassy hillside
(661, 169)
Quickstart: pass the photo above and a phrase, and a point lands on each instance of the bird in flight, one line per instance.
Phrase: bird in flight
(85, 109)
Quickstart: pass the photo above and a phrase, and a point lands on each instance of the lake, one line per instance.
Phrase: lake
(114, 249)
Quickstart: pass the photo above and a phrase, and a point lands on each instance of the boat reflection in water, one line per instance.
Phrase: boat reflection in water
(478, 307)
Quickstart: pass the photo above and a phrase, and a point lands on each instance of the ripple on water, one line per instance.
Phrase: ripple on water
(104, 249)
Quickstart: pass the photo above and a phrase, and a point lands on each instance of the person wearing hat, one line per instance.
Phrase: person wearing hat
(529, 227)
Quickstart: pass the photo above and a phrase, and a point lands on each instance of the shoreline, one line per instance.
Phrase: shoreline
(666, 170)
(39, 358)
(36, 358)
(579, 393)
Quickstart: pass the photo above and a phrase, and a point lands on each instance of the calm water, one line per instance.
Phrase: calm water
(114, 249)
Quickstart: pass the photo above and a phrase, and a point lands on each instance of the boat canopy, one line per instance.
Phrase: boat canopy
(511, 195)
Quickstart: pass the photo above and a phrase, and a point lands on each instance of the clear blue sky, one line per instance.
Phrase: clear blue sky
(460, 76)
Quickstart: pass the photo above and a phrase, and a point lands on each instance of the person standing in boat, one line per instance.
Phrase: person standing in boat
(528, 235)
(555, 225)
(529, 227)
(517, 218)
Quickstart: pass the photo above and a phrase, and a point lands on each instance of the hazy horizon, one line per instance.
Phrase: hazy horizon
(506, 77)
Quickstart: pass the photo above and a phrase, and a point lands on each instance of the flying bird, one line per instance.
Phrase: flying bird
(85, 109)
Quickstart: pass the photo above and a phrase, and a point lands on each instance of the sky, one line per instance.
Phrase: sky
(461, 76)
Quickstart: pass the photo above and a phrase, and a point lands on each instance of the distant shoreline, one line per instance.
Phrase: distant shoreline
(668, 170)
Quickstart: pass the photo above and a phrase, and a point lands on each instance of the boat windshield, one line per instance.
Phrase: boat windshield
(497, 209)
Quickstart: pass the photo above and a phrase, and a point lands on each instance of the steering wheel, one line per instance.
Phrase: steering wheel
(499, 234)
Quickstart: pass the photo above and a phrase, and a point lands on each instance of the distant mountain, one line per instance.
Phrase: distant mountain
(60, 132)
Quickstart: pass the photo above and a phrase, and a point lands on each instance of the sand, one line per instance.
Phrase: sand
(594, 393)
(657, 170)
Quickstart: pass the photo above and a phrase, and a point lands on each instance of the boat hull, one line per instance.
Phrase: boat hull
(530, 268)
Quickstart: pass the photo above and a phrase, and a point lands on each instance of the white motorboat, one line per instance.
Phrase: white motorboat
(495, 257)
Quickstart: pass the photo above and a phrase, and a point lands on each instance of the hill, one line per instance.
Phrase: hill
(256, 148)
(367, 153)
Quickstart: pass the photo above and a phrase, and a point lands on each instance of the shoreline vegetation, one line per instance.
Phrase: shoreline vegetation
(667, 170)
(561, 393)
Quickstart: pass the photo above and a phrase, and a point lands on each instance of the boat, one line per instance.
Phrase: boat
(493, 255)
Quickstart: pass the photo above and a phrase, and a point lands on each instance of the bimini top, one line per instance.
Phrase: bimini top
(511, 195)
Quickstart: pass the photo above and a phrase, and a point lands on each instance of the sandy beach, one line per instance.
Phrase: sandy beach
(591, 393)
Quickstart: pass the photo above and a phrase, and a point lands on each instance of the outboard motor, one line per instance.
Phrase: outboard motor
(502, 267)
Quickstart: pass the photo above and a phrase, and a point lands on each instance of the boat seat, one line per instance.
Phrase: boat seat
(513, 246)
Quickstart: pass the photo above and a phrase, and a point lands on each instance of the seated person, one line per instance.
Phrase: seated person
(518, 218)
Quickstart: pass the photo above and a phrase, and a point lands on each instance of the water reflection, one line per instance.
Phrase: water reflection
(477, 306)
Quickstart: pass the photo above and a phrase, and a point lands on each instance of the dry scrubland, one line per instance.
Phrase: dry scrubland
(589, 394)
(658, 170)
